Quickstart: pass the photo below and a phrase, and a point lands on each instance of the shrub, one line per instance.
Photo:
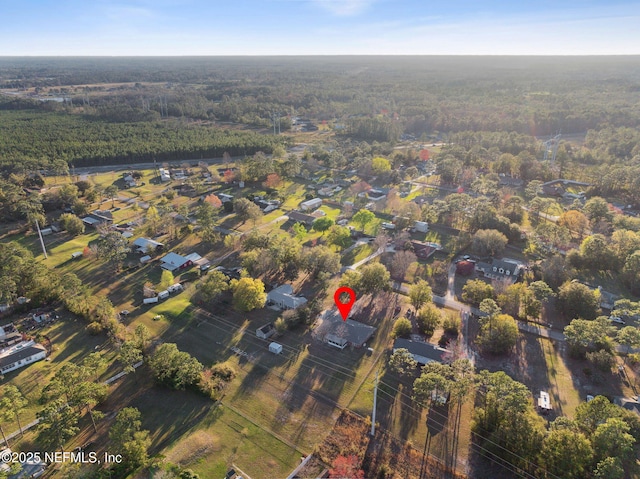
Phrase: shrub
(401, 328)
(95, 328)
(224, 371)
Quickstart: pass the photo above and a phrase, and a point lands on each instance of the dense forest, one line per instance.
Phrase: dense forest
(83, 141)
(537, 96)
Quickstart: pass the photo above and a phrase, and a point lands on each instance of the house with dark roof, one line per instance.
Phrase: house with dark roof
(341, 334)
(423, 353)
(424, 250)
(97, 218)
(20, 355)
(501, 269)
(266, 331)
(465, 268)
(300, 217)
(422, 200)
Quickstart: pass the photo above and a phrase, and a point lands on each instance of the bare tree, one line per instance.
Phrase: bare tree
(401, 263)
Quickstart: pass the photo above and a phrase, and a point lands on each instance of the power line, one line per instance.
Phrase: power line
(478, 435)
(347, 372)
(502, 462)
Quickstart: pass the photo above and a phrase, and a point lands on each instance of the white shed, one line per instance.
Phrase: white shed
(275, 348)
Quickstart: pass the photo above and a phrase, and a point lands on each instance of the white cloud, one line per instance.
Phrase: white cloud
(344, 8)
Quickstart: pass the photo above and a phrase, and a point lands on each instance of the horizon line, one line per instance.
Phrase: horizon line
(337, 55)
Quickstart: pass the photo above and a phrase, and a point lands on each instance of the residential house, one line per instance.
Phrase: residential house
(97, 218)
(422, 353)
(607, 299)
(267, 205)
(341, 334)
(283, 297)
(130, 181)
(465, 268)
(501, 269)
(20, 355)
(300, 217)
(174, 261)
(376, 194)
(164, 175)
(145, 245)
(266, 331)
(424, 250)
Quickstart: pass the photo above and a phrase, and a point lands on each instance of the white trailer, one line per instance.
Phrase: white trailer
(150, 300)
(275, 348)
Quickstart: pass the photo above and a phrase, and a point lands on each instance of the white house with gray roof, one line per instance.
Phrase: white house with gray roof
(501, 269)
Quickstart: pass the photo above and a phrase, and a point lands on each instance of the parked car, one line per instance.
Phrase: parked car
(616, 319)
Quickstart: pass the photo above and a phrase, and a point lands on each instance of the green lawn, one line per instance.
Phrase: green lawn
(225, 438)
(358, 253)
(564, 395)
(70, 342)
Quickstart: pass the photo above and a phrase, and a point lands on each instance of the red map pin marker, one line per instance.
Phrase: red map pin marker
(344, 308)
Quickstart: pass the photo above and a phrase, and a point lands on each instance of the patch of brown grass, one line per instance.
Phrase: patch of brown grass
(194, 446)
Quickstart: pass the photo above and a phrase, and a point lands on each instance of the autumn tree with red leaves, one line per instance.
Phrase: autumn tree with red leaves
(346, 467)
(229, 176)
(214, 201)
(273, 181)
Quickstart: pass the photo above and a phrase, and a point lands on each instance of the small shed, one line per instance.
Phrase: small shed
(275, 348)
(266, 331)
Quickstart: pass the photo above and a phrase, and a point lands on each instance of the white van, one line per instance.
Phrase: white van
(163, 294)
(150, 300)
(77, 254)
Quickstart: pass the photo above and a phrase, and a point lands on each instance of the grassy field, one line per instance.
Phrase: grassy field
(70, 342)
(358, 253)
(564, 394)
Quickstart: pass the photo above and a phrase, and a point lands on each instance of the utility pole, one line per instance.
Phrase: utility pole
(44, 250)
(375, 400)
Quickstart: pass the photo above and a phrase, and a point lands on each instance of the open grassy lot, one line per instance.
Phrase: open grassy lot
(358, 253)
(296, 395)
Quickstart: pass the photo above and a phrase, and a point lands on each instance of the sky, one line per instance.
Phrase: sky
(318, 27)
